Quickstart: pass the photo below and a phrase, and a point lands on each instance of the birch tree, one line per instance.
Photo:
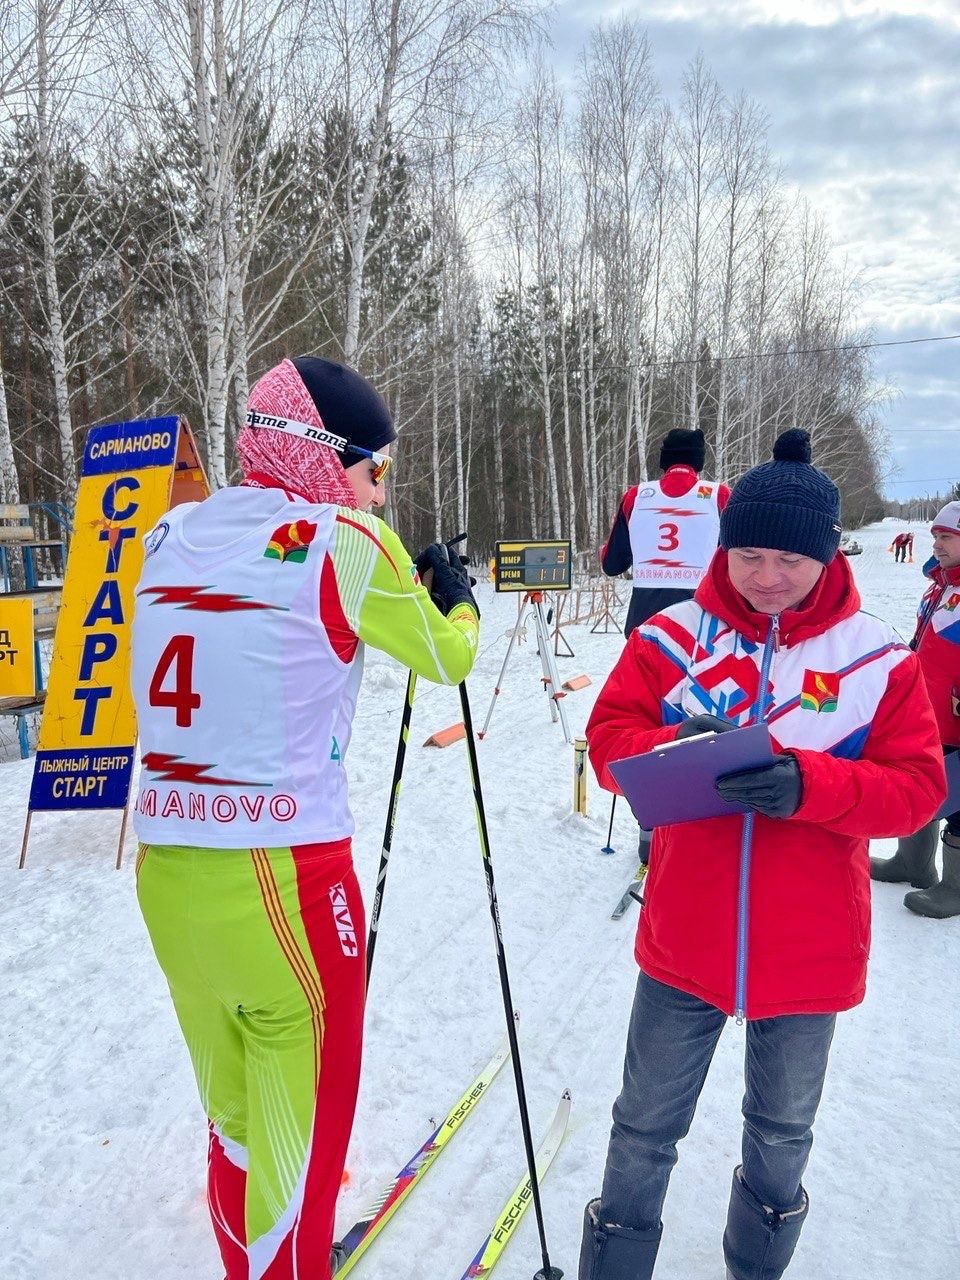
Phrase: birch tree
(696, 139)
(396, 58)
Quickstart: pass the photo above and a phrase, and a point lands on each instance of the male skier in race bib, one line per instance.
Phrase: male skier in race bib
(251, 619)
(666, 529)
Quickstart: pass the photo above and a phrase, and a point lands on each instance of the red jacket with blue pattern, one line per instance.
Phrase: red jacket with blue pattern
(937, 644)
(845, 696)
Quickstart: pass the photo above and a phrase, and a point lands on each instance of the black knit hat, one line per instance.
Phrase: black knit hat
(686, 447)
(786, 504)
(349, 405)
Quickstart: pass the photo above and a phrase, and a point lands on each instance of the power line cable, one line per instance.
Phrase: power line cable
(772, 355)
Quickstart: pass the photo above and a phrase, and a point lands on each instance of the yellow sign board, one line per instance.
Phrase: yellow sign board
(132, 473)
(17, 669)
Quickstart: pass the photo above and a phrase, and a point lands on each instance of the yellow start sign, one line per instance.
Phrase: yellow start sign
(132, 473)
(17, 669)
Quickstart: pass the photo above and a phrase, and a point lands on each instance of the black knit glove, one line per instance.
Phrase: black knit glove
(775, 790)
(449, 580)
(704, 724)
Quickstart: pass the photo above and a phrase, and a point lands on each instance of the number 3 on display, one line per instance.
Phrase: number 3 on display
(182, 697)
(669, 539)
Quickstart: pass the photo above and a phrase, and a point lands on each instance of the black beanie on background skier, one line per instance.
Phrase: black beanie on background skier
(682, 447)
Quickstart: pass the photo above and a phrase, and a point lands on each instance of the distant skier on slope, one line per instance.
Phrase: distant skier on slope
(937, 645)
(766, 915)
(251, 618)
(901, 546)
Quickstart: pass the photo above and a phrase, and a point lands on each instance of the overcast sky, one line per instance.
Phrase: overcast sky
(864, 115)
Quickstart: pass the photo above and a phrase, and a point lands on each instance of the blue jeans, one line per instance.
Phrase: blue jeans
(670, 1046)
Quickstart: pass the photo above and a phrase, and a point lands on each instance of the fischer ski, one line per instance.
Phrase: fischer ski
(489, 1253)
(371, 1222)
(631, 894)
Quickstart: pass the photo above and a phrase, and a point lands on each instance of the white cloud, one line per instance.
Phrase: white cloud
(811, 13)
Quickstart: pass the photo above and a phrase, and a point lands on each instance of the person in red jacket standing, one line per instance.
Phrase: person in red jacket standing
(666, 530)
(937, 645)
(765, 916)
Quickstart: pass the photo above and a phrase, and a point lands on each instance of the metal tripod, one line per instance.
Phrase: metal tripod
(533, 601)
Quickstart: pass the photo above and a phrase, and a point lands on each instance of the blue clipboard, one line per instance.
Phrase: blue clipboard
(677, 782)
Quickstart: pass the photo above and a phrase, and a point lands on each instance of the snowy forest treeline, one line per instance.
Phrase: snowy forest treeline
(542, 276)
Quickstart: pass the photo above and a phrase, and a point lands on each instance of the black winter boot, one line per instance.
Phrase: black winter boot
(942, 901)
(609, 1252)
(759, 1241)
(915, 860)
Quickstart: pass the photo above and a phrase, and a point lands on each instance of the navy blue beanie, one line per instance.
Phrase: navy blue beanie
(786, 504)
(349, 405)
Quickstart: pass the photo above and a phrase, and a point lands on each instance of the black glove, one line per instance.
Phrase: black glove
(775, 790)
(704, 724)
(449, 581)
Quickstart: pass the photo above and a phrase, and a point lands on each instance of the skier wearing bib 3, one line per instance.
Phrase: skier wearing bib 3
(765, 915)
(667, 529)
(251, 618)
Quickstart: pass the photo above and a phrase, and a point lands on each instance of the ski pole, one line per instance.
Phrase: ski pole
(608, 847)
(548, 1272)
(391, 820)
(394, 800)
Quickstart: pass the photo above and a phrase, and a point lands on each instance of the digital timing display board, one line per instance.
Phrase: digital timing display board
(532, 566)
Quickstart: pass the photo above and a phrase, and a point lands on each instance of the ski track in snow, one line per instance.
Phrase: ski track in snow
(102, 1142)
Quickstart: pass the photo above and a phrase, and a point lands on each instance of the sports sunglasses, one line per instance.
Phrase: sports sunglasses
(271, 422)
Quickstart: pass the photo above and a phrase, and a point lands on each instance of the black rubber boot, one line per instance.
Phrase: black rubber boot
(942, 902)
(759, 1241)
(915, 861)
(609, 1252)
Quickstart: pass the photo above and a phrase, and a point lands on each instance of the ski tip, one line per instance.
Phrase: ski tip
(566, 1096)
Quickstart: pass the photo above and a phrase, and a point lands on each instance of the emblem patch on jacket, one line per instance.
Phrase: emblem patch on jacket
(704, 490)
(952, 601)
(820, 692)
(291, 542)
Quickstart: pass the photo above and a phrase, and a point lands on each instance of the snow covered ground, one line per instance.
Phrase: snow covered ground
(102, 1139)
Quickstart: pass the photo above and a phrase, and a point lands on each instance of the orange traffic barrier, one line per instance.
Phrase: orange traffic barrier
(578, 682)
(444, 737)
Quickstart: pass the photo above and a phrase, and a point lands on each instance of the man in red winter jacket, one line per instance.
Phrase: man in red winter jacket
(765, 916)
(937, 645)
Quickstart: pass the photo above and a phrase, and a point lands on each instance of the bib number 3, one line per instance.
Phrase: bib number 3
(669, 537)
(179, 655)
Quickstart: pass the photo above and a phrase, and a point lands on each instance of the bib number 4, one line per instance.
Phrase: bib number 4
(178, 655)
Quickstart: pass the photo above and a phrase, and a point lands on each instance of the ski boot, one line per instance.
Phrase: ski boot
(942, 901)
(609, 1252)
(914, 861)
